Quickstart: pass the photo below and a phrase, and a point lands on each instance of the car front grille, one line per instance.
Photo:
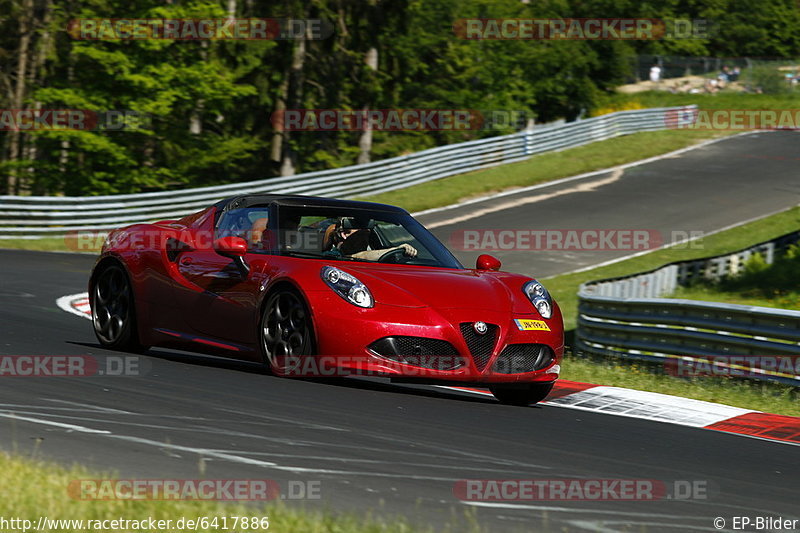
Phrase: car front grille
(480, 346)
(434, 354)
(520, 358)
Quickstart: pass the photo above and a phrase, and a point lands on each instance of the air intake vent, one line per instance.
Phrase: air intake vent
(434, 354)
(480, 346)
(520, 358)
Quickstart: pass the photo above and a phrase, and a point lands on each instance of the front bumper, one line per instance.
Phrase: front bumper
(345, 333)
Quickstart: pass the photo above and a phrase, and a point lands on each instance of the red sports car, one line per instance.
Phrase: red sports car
(322, 287)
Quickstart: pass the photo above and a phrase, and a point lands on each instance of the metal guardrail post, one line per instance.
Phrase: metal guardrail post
(628, 317)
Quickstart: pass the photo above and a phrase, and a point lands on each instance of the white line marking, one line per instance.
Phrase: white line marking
(458, 466)
(690, 412)
(459, 389)
(88, 406)
(65, 303)
(70, 427)
(18, 408)
(650, 406)
(219, 455)
(222, 455)
(571, 510)
(267, 464)
(670, 245)
(616, 174)
(579, 176)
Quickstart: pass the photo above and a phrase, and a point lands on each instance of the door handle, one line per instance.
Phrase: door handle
(185, 261)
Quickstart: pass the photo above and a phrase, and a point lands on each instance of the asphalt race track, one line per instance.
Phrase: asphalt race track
(702, 190)
(398, 450)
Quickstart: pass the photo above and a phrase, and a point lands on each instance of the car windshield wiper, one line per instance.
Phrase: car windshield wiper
(296, 253)
(302, 254)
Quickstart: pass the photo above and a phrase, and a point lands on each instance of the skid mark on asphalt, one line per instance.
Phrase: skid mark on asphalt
(626, 525)
(616, 174)
(282, 420)
(556, 509)
(383, 470)
(205, 452)
(366, 461)
(49, 408)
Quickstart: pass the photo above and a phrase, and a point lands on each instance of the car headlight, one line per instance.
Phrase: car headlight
(347, 286)
(539, 297)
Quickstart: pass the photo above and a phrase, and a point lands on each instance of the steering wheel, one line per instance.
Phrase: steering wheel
(396, 255)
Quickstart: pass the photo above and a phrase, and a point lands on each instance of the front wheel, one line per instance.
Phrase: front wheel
(286, 332)
(113, 311)
(521, 393)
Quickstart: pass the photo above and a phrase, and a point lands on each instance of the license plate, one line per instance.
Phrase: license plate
(525, 324)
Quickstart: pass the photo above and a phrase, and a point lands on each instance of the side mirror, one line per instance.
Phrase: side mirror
(235, 248)
(487, 262)
(231, 246)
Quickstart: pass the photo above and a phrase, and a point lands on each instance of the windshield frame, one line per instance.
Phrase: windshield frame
(283, 214)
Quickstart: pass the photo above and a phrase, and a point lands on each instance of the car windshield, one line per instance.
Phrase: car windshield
(359, 235)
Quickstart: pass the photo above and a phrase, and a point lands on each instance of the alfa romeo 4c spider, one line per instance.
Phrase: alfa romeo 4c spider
(317, 287)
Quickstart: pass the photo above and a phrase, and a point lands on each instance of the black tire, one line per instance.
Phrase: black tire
(113, 310)
(521, 394)
(286, 333)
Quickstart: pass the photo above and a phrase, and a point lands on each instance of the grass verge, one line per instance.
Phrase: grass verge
(762, 396)
(722, 100)
(46, 244)
(779, 299)
(39, 489)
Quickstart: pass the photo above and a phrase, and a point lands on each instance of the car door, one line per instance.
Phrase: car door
(217, 296)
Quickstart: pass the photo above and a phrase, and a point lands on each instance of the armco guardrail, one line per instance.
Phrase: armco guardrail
(626, 317)
(38, 216)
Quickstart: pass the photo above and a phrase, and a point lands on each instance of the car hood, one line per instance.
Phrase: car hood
(436, 287)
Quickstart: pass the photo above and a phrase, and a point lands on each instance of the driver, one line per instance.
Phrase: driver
(344, 238)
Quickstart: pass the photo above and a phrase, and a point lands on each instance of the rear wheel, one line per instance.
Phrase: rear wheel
(286, 332)
(113, 311)
(521, 393)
